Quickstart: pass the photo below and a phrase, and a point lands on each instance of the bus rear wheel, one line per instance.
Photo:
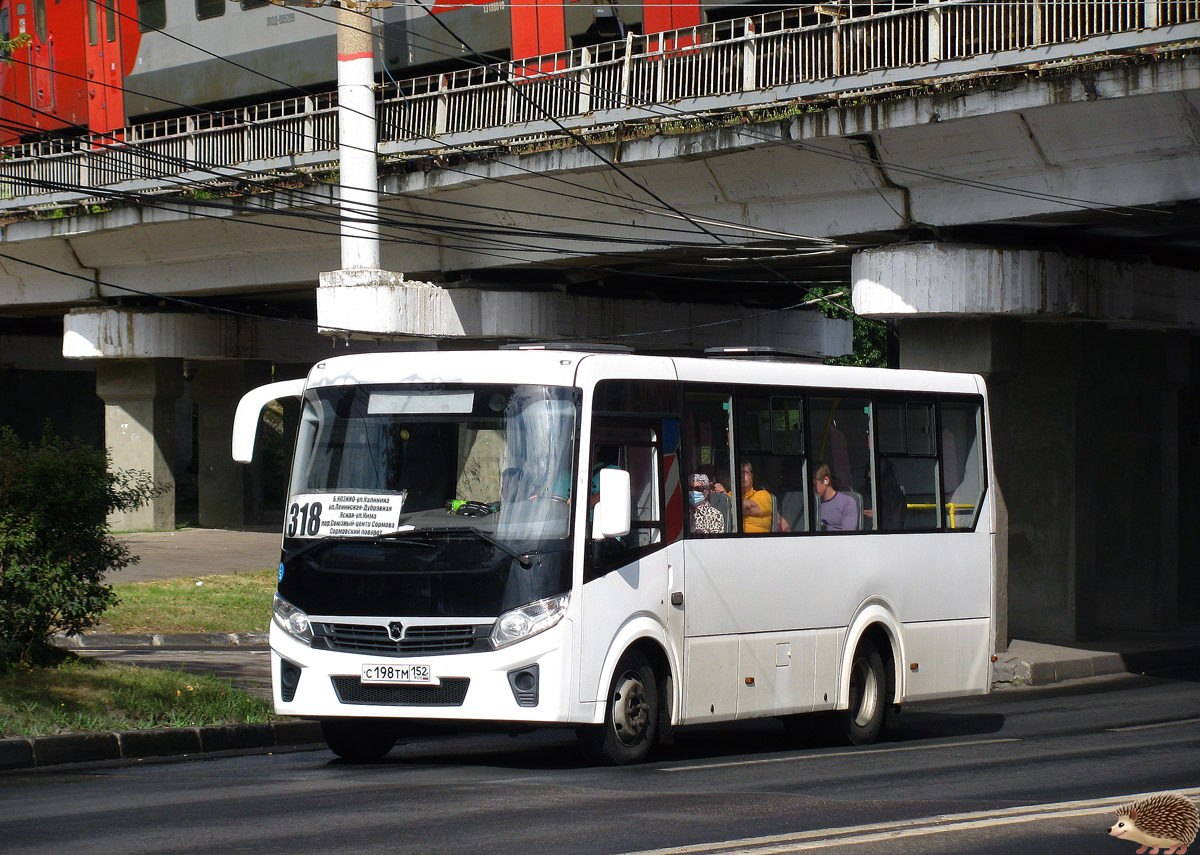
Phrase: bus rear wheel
(360, 740)
(862, 721)
(630, 717)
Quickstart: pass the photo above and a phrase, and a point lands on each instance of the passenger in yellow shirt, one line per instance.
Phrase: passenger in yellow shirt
(756, 504)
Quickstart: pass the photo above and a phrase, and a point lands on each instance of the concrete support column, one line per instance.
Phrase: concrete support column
(139, 424)
(230, 493)
(1086, 446)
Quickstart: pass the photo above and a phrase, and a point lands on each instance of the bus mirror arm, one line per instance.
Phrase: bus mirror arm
(249, 410)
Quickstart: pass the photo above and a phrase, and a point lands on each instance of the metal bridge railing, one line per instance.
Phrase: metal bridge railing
(643, 76)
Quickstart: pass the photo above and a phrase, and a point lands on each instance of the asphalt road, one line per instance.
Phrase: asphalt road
(1020, 771)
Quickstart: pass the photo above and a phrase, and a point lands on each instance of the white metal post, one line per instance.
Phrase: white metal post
(627, 69)
(935, 31)
(749, 57)
(585, 82)
(357, 137)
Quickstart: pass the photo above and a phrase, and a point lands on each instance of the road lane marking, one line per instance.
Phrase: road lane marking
(1152, 726)
(781, 844)
(868, 752)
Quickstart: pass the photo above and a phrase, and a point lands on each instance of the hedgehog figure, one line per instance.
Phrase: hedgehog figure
(1167, 820)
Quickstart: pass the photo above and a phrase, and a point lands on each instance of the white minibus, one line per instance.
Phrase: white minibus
(627, 544)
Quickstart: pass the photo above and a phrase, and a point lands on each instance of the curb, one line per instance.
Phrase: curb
(38, 751)
(107, 640)
(1012, 670)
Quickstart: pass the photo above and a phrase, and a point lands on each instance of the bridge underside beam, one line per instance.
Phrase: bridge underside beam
(373, 304)
(945, 280)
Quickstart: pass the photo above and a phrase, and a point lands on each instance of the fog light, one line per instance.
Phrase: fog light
(524, 685)
(289, 680)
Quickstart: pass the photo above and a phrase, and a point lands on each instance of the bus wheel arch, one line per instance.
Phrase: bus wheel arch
(637, 708)
(870, 686)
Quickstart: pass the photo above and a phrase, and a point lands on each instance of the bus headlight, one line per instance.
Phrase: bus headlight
(528, 620)
(292, 621)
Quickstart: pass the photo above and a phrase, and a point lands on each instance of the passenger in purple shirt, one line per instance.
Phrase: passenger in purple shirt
(839, 512)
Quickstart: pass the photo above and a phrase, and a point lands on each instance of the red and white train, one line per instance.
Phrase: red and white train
(98, 65)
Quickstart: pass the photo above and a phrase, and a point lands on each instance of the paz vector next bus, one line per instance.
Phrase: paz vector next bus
(626, 544)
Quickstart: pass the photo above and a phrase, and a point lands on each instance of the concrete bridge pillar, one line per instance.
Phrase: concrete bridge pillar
(1085, 412)
(230, 493)
(139, 423)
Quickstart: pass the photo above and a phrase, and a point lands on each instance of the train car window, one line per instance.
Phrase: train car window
(110, 19)
(209, 9)
(151, 15)
(39, 20)
(255, 4)
(93, 31)
(5, 31)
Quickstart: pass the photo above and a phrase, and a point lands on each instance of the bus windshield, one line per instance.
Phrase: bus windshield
(430, 500)
(374, 459)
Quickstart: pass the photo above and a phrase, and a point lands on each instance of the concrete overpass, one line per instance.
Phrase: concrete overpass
(1026, 210)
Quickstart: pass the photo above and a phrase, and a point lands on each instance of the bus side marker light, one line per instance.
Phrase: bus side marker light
(914, 667)
(749, 681)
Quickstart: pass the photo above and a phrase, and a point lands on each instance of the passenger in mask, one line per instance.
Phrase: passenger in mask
(705, 518)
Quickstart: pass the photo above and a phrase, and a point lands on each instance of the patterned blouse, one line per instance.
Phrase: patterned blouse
(707, 520)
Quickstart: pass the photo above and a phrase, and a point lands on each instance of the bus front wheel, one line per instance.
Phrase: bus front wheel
(630, 717)
(861, 722)
(360, 740)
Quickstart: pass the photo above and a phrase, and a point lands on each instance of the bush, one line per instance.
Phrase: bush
(55, 549)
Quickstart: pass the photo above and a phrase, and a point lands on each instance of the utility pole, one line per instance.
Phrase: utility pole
(357, 137)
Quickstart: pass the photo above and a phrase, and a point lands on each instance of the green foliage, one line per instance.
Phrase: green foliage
(7, 46)
(870, 335)
(55, 497)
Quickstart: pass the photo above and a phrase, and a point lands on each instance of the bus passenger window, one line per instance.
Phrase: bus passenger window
(770, 441)
(707, 452)
(964, 479)
(907, 491)
(839, 431)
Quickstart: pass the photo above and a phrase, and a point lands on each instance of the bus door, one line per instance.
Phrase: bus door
(102, 52)
(631, 577)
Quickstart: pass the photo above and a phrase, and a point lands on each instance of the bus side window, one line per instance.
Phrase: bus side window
(907, 492)
(839, 433)
(706, 452)
(770, 438)
(964, 480)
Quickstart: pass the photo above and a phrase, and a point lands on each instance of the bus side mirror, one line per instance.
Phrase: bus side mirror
(245, 420)
(613, 511)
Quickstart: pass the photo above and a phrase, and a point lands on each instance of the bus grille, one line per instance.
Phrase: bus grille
(451, 693)
(418, 640)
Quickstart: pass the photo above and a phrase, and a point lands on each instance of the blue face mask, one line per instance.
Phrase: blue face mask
(695, 497)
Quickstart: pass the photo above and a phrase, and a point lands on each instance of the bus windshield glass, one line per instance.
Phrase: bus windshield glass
(375, 460)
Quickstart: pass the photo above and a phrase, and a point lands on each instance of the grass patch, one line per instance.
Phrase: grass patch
(237, 602)
(79, 694)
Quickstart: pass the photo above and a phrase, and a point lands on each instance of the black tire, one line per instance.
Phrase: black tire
(861, 723)
(360, 740)
(631, 712)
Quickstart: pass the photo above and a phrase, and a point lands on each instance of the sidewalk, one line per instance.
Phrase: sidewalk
(191, 552)
(244, 658)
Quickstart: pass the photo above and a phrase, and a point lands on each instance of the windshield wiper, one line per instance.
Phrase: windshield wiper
(524, 560)
(398, 536)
